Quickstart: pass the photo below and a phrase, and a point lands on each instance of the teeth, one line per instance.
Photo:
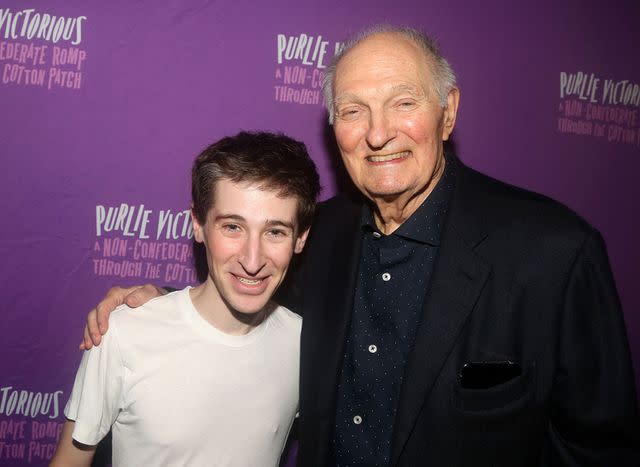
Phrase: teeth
(388, 157)
(249, 281)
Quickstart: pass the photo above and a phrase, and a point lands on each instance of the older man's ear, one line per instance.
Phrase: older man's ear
(450, 113)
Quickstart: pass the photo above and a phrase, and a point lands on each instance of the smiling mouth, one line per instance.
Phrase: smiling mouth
(388, 157)
(246, 281)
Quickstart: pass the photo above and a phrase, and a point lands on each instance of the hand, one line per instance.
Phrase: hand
(98, 318)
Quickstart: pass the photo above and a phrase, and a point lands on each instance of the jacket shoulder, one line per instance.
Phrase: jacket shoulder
(335, 215)
(501, 204)
(339, 205)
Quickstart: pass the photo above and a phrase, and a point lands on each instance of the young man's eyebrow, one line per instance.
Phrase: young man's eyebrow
(229, 217)
(280, 223)
(269, 223)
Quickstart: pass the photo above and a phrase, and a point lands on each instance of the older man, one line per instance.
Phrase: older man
(450, 319)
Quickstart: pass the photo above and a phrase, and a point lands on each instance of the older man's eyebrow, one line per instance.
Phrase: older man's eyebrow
(347, 97)
(415, 91)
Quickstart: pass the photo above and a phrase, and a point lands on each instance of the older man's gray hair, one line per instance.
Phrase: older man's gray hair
(444, 78)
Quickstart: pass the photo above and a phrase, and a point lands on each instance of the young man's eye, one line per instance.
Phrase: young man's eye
(277, 234)
(231, 228)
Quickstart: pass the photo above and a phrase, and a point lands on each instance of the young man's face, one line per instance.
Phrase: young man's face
(250, 236)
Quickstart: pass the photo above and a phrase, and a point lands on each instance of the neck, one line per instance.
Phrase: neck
(390, 212)
(219, 314)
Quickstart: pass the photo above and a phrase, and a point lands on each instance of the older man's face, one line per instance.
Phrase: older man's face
(389, 123)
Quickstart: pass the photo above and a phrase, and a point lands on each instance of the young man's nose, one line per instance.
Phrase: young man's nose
(251, 256)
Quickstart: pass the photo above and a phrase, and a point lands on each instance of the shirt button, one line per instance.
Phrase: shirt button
(357, 419)
(386, 277)
(376, 235)
(373, 348)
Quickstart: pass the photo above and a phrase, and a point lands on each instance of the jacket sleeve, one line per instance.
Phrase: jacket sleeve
(594, 409)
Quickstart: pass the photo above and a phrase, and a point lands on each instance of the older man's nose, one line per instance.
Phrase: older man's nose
(381, 130)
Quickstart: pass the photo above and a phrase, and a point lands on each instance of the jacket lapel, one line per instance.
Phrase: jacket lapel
(341, 285)
(325, 329)
(459, 277)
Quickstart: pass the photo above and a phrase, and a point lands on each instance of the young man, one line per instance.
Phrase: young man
(208, 375)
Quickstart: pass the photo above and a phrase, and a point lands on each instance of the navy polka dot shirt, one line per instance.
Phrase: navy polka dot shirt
(393, 277)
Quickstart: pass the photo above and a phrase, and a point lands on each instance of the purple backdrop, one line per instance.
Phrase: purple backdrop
(104, 105)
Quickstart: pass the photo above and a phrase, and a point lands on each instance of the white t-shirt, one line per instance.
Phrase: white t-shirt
(177, 391)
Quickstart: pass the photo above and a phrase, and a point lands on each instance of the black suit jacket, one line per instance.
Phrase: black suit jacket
(518, 278)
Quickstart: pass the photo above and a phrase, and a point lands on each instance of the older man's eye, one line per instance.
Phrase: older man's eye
(406, 104)
(349, 112)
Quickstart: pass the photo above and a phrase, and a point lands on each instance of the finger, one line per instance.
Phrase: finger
(114, 298)
(86, 343)
(141, 295)
(92, 329)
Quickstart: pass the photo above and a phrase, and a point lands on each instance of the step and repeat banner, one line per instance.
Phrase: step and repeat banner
(104, 105)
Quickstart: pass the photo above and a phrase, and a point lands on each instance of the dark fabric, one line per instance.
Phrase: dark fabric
(518, 278)
(393, 275)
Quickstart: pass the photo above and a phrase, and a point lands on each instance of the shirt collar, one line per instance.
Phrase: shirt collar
(425, 224)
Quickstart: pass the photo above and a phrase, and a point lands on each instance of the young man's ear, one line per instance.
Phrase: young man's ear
(197, 228)
(300, 241)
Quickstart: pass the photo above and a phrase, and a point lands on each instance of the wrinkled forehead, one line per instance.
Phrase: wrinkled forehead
(388, 58)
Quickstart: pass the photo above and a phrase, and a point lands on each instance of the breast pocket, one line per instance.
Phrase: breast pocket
(498, 425)
(496, 401)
